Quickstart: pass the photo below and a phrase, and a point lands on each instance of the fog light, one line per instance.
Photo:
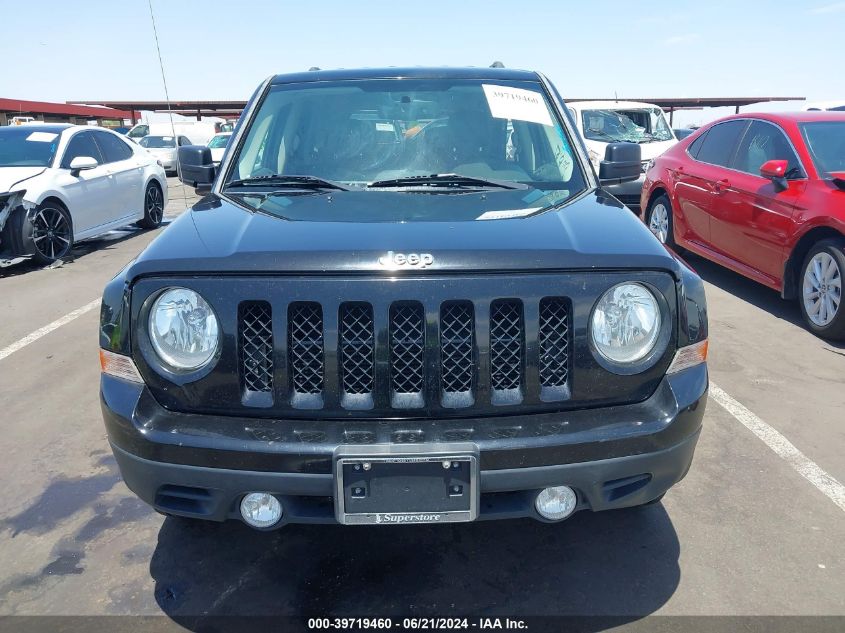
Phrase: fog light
(261, 509)
(556, 503)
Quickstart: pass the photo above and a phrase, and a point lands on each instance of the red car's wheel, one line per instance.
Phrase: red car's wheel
(821, 289)
(659, 220)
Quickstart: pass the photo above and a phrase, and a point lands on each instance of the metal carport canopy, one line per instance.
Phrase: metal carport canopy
(205, 107)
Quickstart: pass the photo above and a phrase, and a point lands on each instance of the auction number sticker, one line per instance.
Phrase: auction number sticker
(41, 137)
(517, 104)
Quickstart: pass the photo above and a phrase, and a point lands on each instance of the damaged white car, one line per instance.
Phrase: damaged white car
(60, 184)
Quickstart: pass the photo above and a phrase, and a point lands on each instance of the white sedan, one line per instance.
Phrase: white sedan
(60, 184)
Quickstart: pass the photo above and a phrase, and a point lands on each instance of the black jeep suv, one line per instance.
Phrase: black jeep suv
(405, 298)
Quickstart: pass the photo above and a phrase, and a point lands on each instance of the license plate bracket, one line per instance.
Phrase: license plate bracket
(414, 486)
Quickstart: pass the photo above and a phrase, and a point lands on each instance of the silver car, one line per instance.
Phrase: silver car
(164, 148)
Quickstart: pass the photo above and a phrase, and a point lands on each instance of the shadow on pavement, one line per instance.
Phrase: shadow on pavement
(622, 563)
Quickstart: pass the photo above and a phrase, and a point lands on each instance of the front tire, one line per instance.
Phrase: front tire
(153, 207)
(821, 289)
(659, 220)
(51, 232)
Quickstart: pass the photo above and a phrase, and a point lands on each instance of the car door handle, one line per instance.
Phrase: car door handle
(720, 186)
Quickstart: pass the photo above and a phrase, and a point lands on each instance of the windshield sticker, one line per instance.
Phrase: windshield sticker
(385, 127)
(42, 137)
(517, 104)
(506, 214)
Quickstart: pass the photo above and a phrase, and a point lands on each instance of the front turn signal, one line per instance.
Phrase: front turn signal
(119, 366)
(689, 356)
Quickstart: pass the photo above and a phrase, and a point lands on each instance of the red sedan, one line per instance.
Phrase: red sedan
(763, 195)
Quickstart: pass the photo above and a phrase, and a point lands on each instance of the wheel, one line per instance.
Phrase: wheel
(51, 232)
(659, 220)
(153, 207)
(821, 289)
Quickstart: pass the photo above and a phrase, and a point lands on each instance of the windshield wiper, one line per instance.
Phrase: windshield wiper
(280, 180)
(443, 180)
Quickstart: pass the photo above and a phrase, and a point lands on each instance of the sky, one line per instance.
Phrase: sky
(56, 50)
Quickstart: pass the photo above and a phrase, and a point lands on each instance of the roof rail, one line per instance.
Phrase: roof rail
(313, 68)
(497, 64)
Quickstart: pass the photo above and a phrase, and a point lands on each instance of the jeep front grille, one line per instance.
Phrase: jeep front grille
(506, 350)
(305, 344)
(256, 349)
(357, 354)
(553, 339)
(457, 345)
(407, 355)
(362, 356)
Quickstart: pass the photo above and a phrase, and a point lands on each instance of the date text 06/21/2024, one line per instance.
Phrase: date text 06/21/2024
(408, 624)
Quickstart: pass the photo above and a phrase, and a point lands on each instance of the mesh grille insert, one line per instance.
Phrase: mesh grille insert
(553, 338)
(305, 327)
(407, 346)
(256, 346)
(506, 344)
(357, 346)
(456, 347)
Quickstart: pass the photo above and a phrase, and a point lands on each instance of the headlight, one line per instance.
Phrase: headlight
(626, 323)
(183, 329)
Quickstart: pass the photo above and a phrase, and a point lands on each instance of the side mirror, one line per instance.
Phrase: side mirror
(622, 163)
(196, 168)
(82, 163)
(775, 170)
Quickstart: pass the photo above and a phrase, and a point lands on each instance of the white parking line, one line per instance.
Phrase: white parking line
(37, 334)
(785, 449)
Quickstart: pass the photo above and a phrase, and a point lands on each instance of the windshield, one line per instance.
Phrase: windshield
(27, 147)
(645, 125)
(139, 131)
(219, 141)
(826, 142)
(368, 133)
(157, 142)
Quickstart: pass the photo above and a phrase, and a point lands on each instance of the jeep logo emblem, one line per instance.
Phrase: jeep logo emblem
(406, 260)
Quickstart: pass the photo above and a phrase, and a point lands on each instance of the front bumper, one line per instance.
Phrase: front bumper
(201, 466)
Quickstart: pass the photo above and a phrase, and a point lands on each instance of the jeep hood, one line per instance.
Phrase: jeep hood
(12, 178)
(217, 236)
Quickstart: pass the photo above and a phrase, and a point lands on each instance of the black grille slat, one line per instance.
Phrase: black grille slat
(307, 363)
(506, 345)
(456, 347)
(553, 339)
(407, 351)
(256, 346)
(357, 347)
(457, 353)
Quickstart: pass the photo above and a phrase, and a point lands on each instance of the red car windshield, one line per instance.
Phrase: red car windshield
(826, 143)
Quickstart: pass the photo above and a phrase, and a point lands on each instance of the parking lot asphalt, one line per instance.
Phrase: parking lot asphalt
(752, 530)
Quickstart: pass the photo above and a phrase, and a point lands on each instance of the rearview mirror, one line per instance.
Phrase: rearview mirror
(622, 163)
(196, 168)
(775, 170)
(82, 163)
